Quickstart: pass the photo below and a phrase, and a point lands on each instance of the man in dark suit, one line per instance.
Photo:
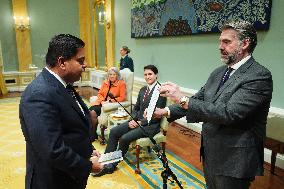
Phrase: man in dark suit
(122, 135)
(233, 108)
(55, 121)
(125, 60)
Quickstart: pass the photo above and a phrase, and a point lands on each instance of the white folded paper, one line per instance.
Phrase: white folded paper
(153, 102)
(111, 157)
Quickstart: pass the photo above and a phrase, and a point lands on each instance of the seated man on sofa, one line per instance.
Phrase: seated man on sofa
(122, 135)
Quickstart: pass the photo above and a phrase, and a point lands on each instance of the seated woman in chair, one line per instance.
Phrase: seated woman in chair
(113, 85)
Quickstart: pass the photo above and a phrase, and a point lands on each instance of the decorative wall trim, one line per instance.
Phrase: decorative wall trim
(85, 23)
(96, 78)
(276, 111)
(17, 81)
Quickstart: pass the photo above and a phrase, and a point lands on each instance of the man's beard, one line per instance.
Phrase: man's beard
(231, 57)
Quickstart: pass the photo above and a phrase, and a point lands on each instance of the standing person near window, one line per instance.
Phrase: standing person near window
(125, 60)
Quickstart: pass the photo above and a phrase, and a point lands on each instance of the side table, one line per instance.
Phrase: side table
(113, 120)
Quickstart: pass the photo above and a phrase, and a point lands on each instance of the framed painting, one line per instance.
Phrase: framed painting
(156, 18)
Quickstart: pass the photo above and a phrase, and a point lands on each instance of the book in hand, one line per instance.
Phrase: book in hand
(111, 157)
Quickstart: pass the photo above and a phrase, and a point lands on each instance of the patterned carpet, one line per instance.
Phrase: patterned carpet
(12, 161)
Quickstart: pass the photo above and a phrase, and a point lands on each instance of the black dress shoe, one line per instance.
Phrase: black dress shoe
(108, 169)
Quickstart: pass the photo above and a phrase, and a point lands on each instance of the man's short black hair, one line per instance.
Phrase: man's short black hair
(151, 67)
(62, 45)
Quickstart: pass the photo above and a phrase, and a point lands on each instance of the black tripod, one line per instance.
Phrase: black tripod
(167, 170)
(159, 152)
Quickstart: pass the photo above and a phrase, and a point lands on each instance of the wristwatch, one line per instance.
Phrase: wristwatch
(183, 100)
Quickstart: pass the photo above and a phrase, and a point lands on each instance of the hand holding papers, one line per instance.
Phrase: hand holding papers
(96, 165)
(111, 157)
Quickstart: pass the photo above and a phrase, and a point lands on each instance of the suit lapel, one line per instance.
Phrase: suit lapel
(213, 85)
(63, 92)
(219, 92)
(238, 73)
(216, 84)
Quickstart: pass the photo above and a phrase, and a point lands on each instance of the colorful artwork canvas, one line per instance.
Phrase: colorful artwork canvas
(156, 18)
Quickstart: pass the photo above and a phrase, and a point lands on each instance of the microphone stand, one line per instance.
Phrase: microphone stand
(161, 155)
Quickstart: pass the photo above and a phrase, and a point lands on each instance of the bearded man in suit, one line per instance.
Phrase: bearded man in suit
(56, 122)
(233, 106)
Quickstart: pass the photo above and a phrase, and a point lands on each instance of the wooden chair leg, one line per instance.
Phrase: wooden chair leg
(164, 148)
(137, 170)
(149, 149)
(273, 161)
(103, 128)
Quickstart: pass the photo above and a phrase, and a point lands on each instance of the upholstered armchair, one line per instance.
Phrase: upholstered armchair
(160, 138)
(109, 108)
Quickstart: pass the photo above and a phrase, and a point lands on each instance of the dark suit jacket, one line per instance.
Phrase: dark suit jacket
(234, 119)
(140, 107)
(58, 145)
(126, 62)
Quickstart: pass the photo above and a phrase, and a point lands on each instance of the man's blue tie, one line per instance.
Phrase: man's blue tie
(226, 76)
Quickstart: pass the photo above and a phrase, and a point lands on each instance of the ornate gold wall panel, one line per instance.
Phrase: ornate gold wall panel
(85, 20)
(22, 36)
(109, 33)
(110, 45)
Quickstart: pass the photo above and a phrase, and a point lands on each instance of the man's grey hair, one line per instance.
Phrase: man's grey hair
(245, 30)
(114, 69)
